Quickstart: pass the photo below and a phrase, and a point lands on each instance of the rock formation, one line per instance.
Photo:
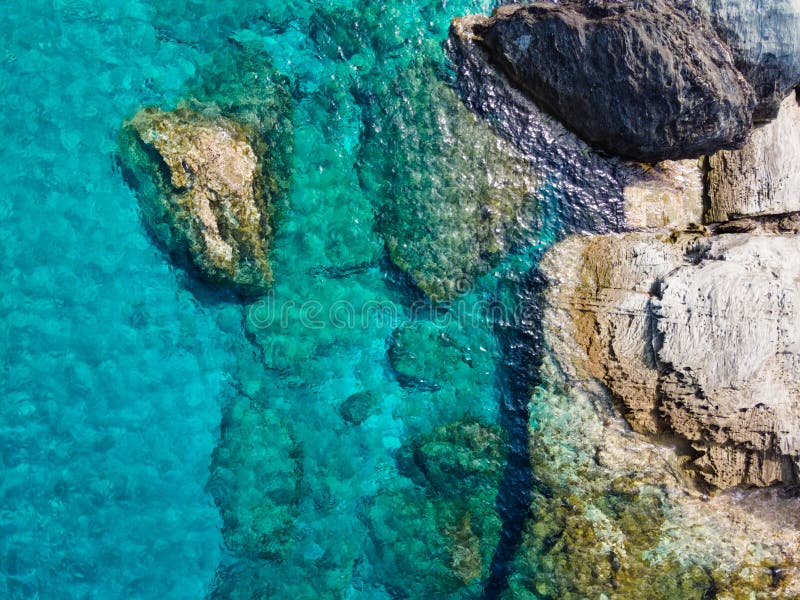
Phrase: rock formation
(441, 513)
(763, 38)
(453, 211)
(205, 201)
(644, 80)
(763, 178)
(693, 335)
(209, 174)
(667, 194)
(613, 515)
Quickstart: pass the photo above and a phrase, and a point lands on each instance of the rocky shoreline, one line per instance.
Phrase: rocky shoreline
(664, 434)
(674, 339)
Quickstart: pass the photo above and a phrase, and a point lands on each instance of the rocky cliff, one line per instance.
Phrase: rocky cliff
(693, 335)
(764, 42)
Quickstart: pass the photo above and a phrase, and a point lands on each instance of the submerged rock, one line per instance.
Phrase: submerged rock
(427, 356)
(435, 530)
(451, 196)
(763, 178)
(208, 201)
(764, 41)
(256, 473)
(694, 336)
(358, 407)
(645, 80)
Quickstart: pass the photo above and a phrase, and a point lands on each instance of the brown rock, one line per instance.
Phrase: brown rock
(693, 336)
(207, 201)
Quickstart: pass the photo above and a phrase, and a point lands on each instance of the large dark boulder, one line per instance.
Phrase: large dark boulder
(646, 80)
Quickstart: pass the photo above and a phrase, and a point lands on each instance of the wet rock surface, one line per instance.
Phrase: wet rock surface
(211, 174)
(645, 80)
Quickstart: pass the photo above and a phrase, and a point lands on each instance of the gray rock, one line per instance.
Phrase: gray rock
(694, 336)
(645, 80)
(764, 38)
(763, 178)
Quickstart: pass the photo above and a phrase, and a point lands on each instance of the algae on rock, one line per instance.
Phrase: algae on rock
(255, 479)
(613, 517)
(450, 195)
(435, 529)
(208, 173)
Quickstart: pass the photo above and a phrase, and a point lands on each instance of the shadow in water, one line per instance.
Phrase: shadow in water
(521, 344)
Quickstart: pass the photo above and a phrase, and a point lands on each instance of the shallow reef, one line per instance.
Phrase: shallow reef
(451, 196)
(440, 513)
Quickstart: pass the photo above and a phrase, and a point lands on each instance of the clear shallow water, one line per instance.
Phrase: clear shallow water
(135, 399)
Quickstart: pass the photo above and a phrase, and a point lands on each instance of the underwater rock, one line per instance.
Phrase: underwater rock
(358, 407)
(451, 196)
(426, 356)
(256, 474)
(694, 336)
(644, 80)
(435, 529)
(763, 40)
(209, 202)
(613, 515)
(763, 178)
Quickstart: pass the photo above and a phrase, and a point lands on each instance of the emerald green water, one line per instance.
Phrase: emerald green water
(342, 437)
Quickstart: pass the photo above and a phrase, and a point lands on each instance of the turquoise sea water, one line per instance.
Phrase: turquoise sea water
(161, 439)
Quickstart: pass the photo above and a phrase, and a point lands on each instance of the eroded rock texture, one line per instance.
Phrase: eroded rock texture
(613, 515)
(693, 335)
(765, 43)
(200, 190)
(763, 178)
(646, 80)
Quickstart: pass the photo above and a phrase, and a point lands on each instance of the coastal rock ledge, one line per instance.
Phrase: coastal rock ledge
(695, 336)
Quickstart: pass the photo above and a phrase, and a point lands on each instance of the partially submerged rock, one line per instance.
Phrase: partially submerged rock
(763, 178)
(451, 196)
(694, 336)
(207, 204)
(613, 515)
(209, 174)
(645, 80)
